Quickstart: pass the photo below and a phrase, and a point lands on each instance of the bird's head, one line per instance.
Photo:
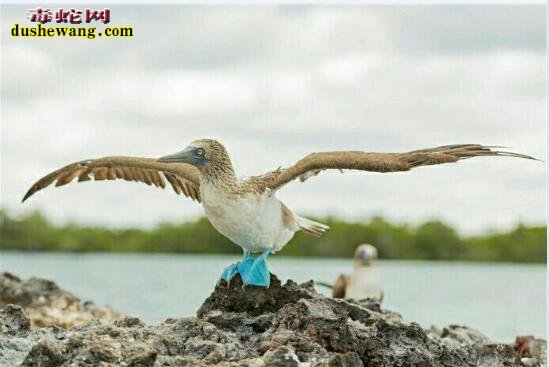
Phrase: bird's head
(365, 255)
(204, 154)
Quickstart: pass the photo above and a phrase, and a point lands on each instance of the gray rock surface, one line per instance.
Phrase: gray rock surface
(46, 304)
(285, 325)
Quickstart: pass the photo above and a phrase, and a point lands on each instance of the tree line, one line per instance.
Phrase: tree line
(432, 240)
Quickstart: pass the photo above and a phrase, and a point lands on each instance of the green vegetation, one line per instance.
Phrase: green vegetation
(432, 240)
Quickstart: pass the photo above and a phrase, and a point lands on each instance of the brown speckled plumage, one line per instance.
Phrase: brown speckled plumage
(219, 168)
(288, 218)
(377, 162)
(186, 179)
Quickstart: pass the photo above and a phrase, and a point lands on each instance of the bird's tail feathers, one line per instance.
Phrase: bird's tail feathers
(311, 227)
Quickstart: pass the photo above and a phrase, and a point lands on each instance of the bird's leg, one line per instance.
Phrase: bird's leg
(230, 271)
(254, 270)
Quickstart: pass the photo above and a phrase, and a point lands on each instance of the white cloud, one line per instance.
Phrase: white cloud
(275, 84)
(25, 61)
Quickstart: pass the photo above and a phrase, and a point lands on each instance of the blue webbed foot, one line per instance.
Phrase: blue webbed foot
(229, 272)
(254, 270)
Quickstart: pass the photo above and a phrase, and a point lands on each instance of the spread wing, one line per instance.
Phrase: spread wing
(183, 178)
(314, 163)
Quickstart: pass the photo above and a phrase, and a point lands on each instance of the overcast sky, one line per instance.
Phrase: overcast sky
(274, 84)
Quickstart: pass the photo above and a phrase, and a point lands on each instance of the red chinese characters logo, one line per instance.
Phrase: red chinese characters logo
(72, 16)
(102, 15)
(39, 15)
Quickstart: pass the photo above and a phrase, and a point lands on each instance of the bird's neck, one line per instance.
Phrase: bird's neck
(220, 173)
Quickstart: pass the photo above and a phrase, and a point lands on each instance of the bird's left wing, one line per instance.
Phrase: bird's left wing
(375, 162)
(184, 178)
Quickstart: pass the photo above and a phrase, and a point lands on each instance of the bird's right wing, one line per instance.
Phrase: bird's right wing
(184, 178)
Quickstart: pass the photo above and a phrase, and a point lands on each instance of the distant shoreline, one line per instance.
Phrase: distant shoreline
(432, 240)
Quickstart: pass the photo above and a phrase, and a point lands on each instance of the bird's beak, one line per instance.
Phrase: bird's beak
(184, 156)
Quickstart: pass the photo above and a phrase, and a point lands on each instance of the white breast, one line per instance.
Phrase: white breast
(364, 282)
(252, 221)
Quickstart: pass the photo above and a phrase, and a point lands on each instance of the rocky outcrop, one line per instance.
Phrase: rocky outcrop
(285, 325)
(46, 304)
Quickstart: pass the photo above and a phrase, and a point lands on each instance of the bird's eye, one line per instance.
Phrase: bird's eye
(199, 151)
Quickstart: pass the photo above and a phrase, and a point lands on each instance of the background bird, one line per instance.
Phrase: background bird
(364, 281)
(247, 210)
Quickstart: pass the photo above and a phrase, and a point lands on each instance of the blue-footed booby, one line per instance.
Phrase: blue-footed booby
(247, 210)
(364, 281)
